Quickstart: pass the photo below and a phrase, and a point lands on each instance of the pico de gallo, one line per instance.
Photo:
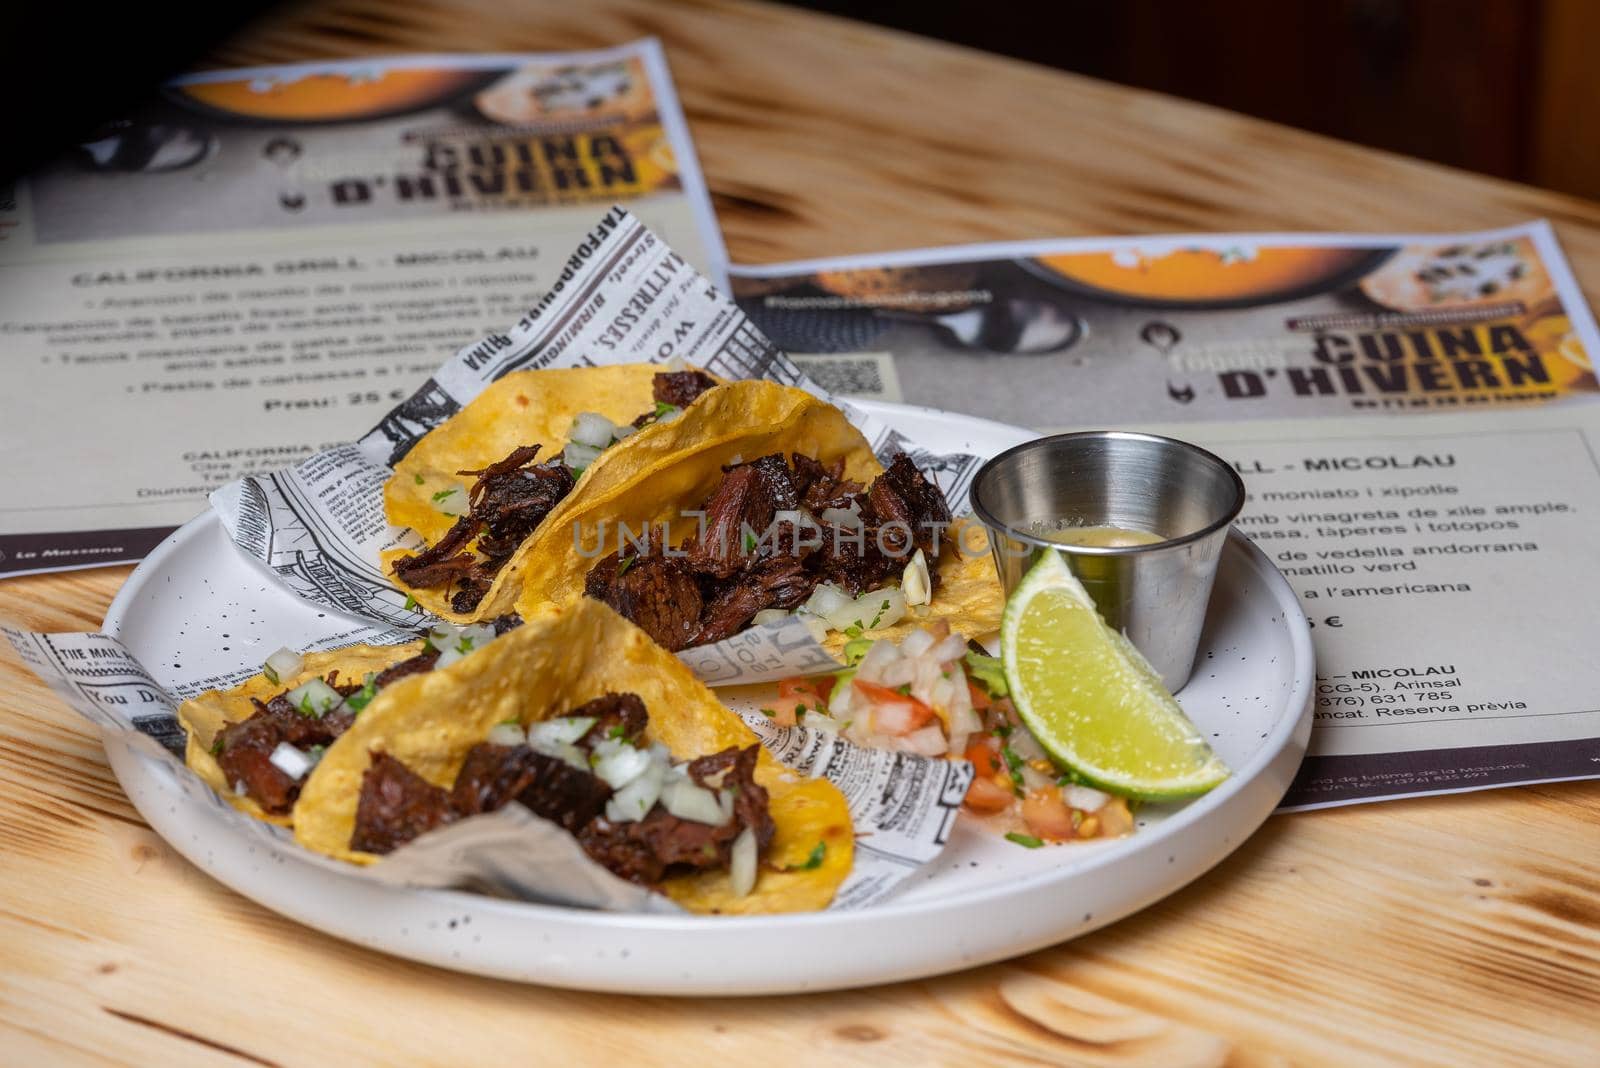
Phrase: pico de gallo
(936, 694)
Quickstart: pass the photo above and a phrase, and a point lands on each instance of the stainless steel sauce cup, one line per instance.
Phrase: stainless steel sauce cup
(1157, 593)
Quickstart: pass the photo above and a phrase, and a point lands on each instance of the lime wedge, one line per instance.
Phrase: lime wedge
(1092, 700)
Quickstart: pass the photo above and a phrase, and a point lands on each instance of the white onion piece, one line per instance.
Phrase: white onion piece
(818, 721)
(624, 430)
(592, 429)
(871, 611)
(877, 660)
(454, 642)
(827, 599)
(900, 673)
(963, 720)
(769, 615)
(1084, 797)
(670, 414)
(507, 734)
(914, 580)
(917, 642)
(841, 517)
(839, 700)
(953, 647)
(291, 761)
(687, 801)
(570, 755)
(742, 863)
(283, 664)
(1025, 745)
(677, 363)
(314, 698)
(635, 800)
(453, 501)
(926, 741)
(618, 763)
(579, 456)
(563, 730)
(1034, 779)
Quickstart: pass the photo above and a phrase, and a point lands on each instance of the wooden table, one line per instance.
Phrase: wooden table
(1452, 931)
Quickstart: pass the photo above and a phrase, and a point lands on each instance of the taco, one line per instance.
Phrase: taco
(531, 445)
(580, 716)
(775, 507)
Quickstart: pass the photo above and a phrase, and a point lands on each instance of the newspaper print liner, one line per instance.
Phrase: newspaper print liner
(902, 806)
(622, 297)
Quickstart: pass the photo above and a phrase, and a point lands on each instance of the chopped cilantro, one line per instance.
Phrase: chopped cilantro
(814, 861)
(1026, 841)
(316, 751)
(904, 689)
(362, 697)
(663, 408)
(216, 746)
(1003, 731)
(989, 671)
(855, 649)
(305, 707)
(420, 480)
(1014, 766)
(617, 730)
(1071, 778)
(749, 541)
(800, 712)
(411, 603)
(1077, 818)
(882, 608)
(769, 713)
(623, 565)
(442, 494)
(854, 630)
(465, 645)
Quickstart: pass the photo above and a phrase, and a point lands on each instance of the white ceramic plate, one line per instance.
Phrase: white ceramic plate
(199, 603)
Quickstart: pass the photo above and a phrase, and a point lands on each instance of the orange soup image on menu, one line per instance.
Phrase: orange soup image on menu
(1200, 276)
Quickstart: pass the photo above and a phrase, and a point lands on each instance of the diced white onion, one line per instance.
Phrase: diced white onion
(917, 642)
(291, 761)
(769, 615)
(670, 414)
(926, 741)
(592, 429)
(952, 647)
(902, 672)
(870, 611)
(914, 580)
(507, 734)
(817, 721)
(677, 363)
(1084, 797)
(623, 431)
(455, 642)
(635, 800)
(839, 700)
(283, 664)
(578, 456)
(453, 501)
(799, 517)
(563, 730)
(687, 801)
(815, 624)
(881, 654)
(841, 517)
(618, 763)
(742, 863)
(827, 599)
(314, 697)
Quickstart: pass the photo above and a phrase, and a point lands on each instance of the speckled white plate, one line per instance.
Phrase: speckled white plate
(197, 603)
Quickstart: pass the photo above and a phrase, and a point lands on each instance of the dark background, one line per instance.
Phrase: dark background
(1509, 88)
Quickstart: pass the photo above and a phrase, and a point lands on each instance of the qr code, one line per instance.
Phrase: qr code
(853, 376)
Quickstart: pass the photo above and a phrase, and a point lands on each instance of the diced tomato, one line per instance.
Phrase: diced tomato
(980, 696)
(1046, 814)
(893, 712)
(813, 693)
(986, 794)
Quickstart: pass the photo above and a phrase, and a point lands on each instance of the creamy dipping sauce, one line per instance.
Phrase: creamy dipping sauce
(1103, 537)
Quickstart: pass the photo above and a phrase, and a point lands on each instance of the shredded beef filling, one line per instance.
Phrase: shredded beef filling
(396, 805)
(244, 749)
(508, 502)
(744, 560)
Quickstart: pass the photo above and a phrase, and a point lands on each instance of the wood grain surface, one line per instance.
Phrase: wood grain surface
(1451, 931)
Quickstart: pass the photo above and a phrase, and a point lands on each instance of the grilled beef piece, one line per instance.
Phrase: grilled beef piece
(656, 592)
(616, 715)
(416, 665)
(509, 500)
(646, 850)
(244, 749)
(852, 560)
(780, 582)
(822, 487)
(505, 624)
(739, 514)
(680, 388)
(494, 775)
(902, 495)
(395, 806)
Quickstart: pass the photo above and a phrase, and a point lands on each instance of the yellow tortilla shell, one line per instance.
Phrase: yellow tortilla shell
(525, 408)
(205, 714)
(560, 658)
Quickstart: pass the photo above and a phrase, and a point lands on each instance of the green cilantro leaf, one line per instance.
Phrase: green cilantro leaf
(814, 861)
(749, 541)
(420, 480)
(442, 494)
(363, 697)
(411, 603)
(663, 408)
(1026, 841)
(216, 746)
(854, 630)
(623, 565)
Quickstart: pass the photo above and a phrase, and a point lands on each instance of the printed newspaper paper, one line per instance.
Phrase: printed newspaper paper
(1414, 416)
(902, 806)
